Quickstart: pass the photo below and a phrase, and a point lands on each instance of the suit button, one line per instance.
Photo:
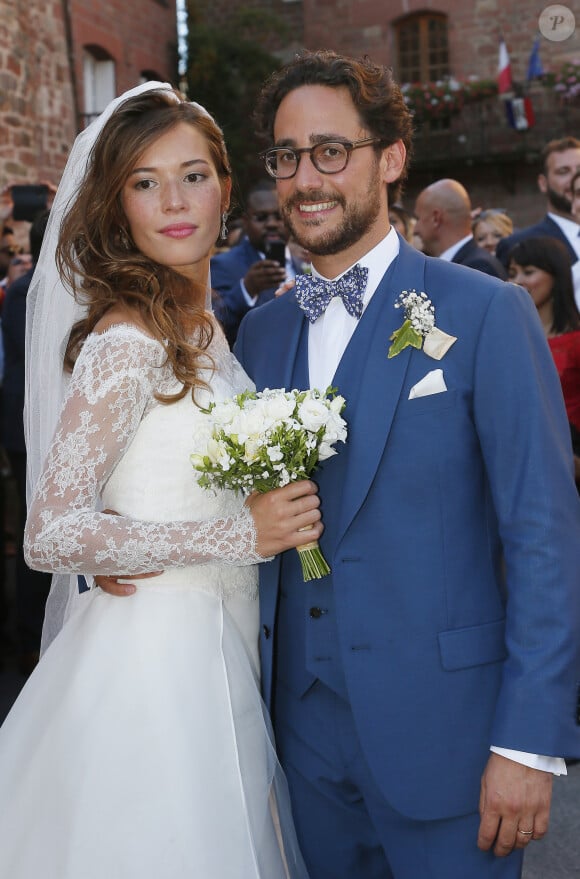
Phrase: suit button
(266, 631)
(315, 613)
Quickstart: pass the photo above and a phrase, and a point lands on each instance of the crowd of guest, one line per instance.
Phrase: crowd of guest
(255, 260)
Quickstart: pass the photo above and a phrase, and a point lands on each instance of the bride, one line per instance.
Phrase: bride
(140, 747)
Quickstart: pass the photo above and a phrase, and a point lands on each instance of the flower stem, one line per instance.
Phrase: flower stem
(314, 565)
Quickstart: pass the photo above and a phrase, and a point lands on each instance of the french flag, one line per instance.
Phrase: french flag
(520, 113)
(504, 70)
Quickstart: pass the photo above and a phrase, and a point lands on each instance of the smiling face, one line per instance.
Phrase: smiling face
(336, 217)
(539, 285)
(262, 219)
(173, 199)
(486, 235)
(555, 182)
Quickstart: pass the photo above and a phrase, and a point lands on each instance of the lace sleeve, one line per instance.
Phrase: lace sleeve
(111, 388)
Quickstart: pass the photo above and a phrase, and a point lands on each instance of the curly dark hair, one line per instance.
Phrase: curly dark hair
(375, 94)
(551, 256)
(97, 257)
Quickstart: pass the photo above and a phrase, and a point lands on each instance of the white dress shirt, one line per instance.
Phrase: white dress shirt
(328, 337)
(448, 254)
(572, 232)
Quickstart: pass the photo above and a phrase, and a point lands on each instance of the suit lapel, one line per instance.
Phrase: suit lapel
(371, 383)
(464, 252)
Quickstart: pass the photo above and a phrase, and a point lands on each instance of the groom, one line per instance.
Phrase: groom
(422, 692)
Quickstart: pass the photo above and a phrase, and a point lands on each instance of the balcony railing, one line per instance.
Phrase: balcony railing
(481, 133)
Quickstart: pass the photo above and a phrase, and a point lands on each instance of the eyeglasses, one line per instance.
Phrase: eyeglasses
(328, 157)
(264, 216)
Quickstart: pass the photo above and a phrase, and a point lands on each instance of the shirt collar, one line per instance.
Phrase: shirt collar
(455, 248)
(570, 228)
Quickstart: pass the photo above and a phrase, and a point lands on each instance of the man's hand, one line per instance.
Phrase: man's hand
(514, 799)
(263, 275)
(113, 587)
(111, 584)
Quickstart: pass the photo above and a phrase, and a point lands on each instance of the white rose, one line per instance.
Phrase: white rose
(279, 408)
(335, 429)
(250, 422)
(224, 413)
(313, 414)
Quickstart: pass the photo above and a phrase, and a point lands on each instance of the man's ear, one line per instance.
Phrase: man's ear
(393, 161)
(543, 183)
(436, 217)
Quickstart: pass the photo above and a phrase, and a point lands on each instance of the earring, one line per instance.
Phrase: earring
(124, 239)
(224, 228)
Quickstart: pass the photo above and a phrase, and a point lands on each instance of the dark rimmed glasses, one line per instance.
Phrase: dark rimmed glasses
(328, 157)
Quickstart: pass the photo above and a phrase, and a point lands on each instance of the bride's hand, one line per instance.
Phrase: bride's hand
(286, 517)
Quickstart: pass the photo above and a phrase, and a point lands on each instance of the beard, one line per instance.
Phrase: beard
(357, 219)
(561, 202)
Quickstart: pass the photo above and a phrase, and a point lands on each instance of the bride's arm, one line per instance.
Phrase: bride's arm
(114, 379)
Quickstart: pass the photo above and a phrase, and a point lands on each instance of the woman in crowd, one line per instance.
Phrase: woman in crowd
(139, 746)
(490, 227)
(542, 266)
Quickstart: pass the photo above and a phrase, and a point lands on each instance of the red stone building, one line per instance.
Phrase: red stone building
(430, 41)
(61, 61)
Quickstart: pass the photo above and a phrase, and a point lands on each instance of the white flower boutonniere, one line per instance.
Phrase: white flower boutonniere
(418, 328)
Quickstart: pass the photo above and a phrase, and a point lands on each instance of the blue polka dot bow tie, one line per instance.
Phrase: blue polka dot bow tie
(314, 294)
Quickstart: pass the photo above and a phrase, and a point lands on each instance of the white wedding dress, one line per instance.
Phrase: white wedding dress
(139, 748)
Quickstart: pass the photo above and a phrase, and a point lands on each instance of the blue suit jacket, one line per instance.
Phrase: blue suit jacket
(452, 527)
(228, 270)
(546, 226)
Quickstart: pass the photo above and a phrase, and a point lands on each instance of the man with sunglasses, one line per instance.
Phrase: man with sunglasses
(424, 692)
(246, 276)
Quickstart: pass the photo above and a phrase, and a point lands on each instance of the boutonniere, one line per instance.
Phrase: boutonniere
(418, 328)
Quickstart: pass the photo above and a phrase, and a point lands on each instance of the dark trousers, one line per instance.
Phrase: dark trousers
(346, 828)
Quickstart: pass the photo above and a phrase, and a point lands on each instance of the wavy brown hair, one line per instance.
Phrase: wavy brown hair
(97, 257)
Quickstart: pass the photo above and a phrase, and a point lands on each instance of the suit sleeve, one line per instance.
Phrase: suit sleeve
(525, 441)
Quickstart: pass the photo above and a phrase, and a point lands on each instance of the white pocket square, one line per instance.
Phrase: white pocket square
(432, 383)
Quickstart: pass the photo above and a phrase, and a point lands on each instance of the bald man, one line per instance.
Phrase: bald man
(443, 212)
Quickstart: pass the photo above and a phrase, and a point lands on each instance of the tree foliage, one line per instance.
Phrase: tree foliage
(227, 66)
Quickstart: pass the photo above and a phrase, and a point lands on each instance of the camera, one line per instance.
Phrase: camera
(28, 201)
(276, 250)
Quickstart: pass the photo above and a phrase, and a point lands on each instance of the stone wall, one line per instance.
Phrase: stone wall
(37, 119)
(41, 71)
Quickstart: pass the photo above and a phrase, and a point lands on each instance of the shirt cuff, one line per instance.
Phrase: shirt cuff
(555, 765)
(251, 300)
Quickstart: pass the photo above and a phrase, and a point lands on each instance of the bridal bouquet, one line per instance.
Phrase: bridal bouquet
(258, 441)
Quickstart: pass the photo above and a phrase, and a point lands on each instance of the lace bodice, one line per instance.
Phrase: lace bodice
(116, 447)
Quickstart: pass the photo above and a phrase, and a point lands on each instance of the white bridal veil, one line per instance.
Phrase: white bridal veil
(51, 313)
